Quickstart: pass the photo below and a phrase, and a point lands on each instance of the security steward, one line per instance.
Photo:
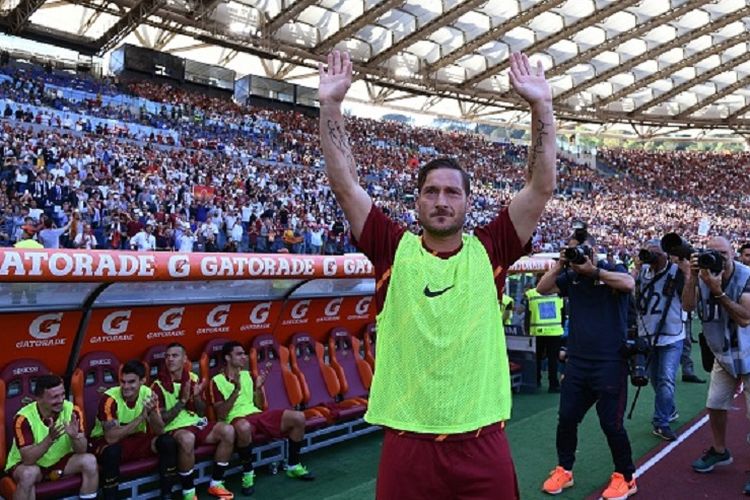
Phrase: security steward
(544, 319)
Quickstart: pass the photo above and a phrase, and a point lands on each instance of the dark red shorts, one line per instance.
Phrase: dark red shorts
(200, 433)
(474, 465)
(53, 472)
(266, 423)
(134, 447)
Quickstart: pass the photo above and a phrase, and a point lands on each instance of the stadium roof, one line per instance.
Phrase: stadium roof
(663, 63)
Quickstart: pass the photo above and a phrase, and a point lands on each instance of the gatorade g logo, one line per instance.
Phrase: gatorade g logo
(260, 313)
(332, 308)
(116, 323)
(218, 316)
(171, 319)
(178, 266)
(300, 309)
(362, 306)
(46, 326)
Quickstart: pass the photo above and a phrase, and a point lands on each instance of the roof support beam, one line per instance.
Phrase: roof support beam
(736, 114)
(19, 17)
(545, 43)
(353, 27)
(286, 15)
(425, 31)
(494, 33)
(616, 41)
(679, 41)
(673, 68)
(127, 24)
(705, 76)
(742, 82)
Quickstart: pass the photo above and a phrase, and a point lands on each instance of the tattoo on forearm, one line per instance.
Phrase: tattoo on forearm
(340, 139)
(537, 147)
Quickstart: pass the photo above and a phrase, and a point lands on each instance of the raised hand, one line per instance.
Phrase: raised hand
(56, 431)
(263, 375)
(528, 82)
(73, 428)
(185, 391)
(335, 78)
(150, 404)
(198, 389)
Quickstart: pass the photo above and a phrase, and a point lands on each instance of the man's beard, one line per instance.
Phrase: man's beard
(443, 232)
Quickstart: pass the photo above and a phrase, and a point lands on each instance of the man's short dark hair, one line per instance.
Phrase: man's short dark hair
(442, 163)
(745, 246)
(176, 344)
(228, 347)
(44, 382)
(134, 367)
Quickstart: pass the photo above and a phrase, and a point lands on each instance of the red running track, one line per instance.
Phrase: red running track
(672, 477)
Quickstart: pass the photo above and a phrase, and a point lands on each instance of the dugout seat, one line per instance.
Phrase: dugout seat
(282, 388)
(369, 337)
(17, 381)
(96, 372)
(319, 382)
(354, 373)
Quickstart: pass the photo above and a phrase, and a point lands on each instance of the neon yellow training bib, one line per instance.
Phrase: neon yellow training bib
(442, 366)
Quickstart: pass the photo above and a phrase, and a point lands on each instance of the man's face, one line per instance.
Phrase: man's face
(174, 359)
(442, 202)
(661, 256)
(237, 358)
(52, 399)
(130, 386)
(745, 256)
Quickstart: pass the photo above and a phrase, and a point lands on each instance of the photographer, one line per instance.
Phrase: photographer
(722, 299)
(659, 289)
(598, 296)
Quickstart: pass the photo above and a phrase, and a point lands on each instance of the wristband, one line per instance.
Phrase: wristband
(717, 297)
(597, 272)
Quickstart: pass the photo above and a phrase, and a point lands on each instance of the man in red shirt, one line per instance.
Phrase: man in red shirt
(461, 459)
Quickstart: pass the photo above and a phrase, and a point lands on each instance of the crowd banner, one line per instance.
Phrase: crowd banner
(50, 265)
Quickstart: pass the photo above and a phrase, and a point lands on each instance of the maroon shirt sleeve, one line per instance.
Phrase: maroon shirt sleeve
(107, 409)
(379, 240)
(22, 431)
(500, 239)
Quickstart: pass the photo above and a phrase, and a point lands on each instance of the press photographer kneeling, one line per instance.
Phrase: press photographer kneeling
(720, 288)
(598, 295)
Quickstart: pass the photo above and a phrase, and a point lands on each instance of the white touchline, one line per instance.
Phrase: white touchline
(664, 452)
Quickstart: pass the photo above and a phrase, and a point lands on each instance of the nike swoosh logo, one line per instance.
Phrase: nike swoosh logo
(431, 294)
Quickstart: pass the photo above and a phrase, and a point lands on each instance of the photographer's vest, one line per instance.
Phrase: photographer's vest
(545, 314)
(59, 449)
(185, 418)
(653, 297)
(125, 414)
(442, 366)
(244, 404)
(729, 342)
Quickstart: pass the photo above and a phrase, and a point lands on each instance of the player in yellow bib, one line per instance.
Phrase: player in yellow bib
(49, 442)
(182, 407)
(237, 401)
(438, 298)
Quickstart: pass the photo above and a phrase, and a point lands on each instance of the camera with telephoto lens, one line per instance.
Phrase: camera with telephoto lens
(577, 255)
(636, 349)
(646, 256)
(709, 259)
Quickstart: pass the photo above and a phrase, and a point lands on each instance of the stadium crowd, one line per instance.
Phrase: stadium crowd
(198, 173)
